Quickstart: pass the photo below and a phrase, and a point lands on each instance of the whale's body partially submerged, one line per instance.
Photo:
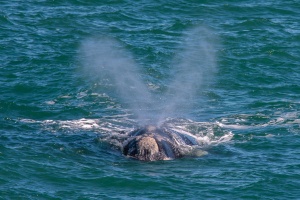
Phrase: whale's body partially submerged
(152, 143)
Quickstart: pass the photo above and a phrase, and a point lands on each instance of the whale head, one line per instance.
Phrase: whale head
(149, 144)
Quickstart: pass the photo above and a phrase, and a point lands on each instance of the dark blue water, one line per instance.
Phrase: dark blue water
(74, 73)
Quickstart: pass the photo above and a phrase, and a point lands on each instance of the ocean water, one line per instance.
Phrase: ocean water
(76, 74)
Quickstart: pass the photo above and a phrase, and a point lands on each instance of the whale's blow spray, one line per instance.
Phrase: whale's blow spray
(158, 137)
(108, 60)
(191, 68)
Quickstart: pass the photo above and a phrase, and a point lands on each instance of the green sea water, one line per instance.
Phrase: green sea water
(74, 73)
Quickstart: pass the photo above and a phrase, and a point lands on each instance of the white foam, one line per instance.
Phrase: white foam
(50, 102)
(28, 120)
(296, 121)
(232, 126)
(81, 123)
(70, 124)
(65, 97)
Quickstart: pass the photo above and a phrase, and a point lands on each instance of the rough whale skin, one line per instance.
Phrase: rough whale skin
(153, 143)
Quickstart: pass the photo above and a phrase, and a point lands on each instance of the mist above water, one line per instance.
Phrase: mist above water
(193, 65)
(106, 59)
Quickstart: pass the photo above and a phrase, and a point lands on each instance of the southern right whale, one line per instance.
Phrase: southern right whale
(152, 143)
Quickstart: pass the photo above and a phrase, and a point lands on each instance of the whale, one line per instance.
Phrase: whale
(152, 143)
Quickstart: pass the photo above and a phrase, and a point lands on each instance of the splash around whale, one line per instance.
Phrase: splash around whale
(151, 143)
(173, 139)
